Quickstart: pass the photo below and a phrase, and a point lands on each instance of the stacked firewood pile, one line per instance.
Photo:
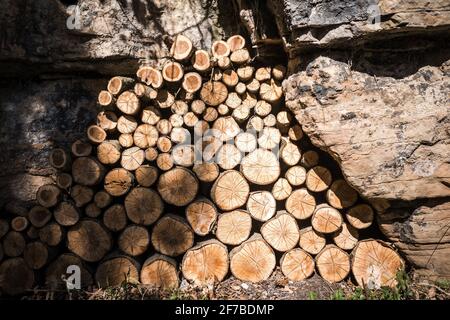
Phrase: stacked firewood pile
(195, 167)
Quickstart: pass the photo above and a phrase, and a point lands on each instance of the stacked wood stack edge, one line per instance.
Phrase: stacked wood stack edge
(133, 202)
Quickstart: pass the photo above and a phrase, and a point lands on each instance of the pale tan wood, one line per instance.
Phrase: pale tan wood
(145, 136)
(220, 49)
(341, 195)
(346, 237)
(245, 142)
(326, 219)
(224, 63)
(48, 195)
(126, 140)
(223, 109)
(144, 92)
(179, 107)
(375, 264)
(260, 167)
(108, 152)
(360, 216)
(228, 157)
(263, 74)
(216, 74)
(230, 78)
(66, 214)
(181, 48)
(253, 261)
(295, 132)
(134, 240)
(117, 182)
(164, 161)
(261, 205)
(115, 217)
(206, 171)
(333, 263)
(172, 236)
(206, 263)
(198, 107)
(35, 255)
(240, 88)
(318, 179)
(102, 199)
(311, 241)
(253, 86)
(245, 73)
(241, 113)
(297, 265)
(284, 119)
(51, 234)
(281, 232)
(117, 85)
(233, 100)
(210, 114)
(150, 115)
(281, 189)
(271, 91)
(176, 120)
(107, 120)
(116, 270)
(92, 210)
(290, 153)
(58, 267)
(230, 190)
(233, 227)
(179, 135)
(192, 82)
(201, 215)
(201, 128)
(227, 128)
(164, 99)
(126, 124)
(87, 171)
(151, 154)
(249, 100)
(270, 120)
(190, 119)
(201, 61)
(301, 204)
(236, 42)
(132, 158)
(240, 56)
(172, 71)
(59, 159)
(105, 99)
(95, 134)
(213, 93)
(255, 123)
(16, 276)
(143, 205)
(19, 224)
(89, 240)
(278, 72)
(150, 76)
(183, 155)
(39, 216)
(262, 108)
(159, 271)
(269, 138)
(178, 186)
(164, 127)
(146, 175)
(310, 159)
(81, 149)
(208, 146)
(128, 103)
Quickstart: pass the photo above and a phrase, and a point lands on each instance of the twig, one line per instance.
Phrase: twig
(435, 287)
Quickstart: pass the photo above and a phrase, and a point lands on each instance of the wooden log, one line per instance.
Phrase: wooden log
(201, 61)
(179, 135)
(295, 132)
(269, 138)
(333, 263)
(206, 171)
(270, 120)
(96, 134)
(290, 153)
(145, 136)
(178, 186)
(252, 261)
(281, 232)
(192, 82)
(144, 206)
(278, 72)
(311, 241)
(281, 189)
(105, 99)
(179, 107)
(297, 265)
(263, 74)
(117, 85)
(296, 175)
(181, 48)
(230, 78)
(151, 154)
(206, 263)
(39, 216)
(226, 127)
(36, 255)
(375, 264)
(134, 240)
(108, 152)
(240, 56)
(87, 171)
(146, 175)
(208, 145)
(164, 99)
(233, 100)
(245, 142)
(262, 108)
(81, 195)
(160, 272)
(4, 225)
(255, 123)
(260, 167)
(318, 179)
(164, 161)
(89, 240)
(132, 158)
(16, 277)
(236, 42)
(216, 74)
(19, 224)
(172, 71)
(115, 218)
(164, 127)
(176, 121)
(198, 107)
(128, 103)
(241, 113)
(150, 76)
(360, 216)
(301, 204)
(66, 214)
(150, 115)
(81, 149)
(284, 120)
(201, 215)
(116, 270)
(183, 155)
(210, 114)
(230, 190)
(126, 140)
(200, 129)
(213, 93)
(172, 235)
(52, 234)
(346, 237)
(245, 73)
(326, 219)
(240, 88)
(228, 157)
(59, 159)
(233, 227)
(144, 92)
(57, 270)
(220, 49)
(48, 195)
(271, 91)
(126, 124)
(261, 205)
(92, 210)
(341, 195)
(13, 244)
(224, 63)
(118, 182)
(249, 100)
(102, 199)
(64, 181)
(190, 119)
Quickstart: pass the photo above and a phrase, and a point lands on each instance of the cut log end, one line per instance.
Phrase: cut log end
(234, 227)
(172, 236)
(333, 264)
